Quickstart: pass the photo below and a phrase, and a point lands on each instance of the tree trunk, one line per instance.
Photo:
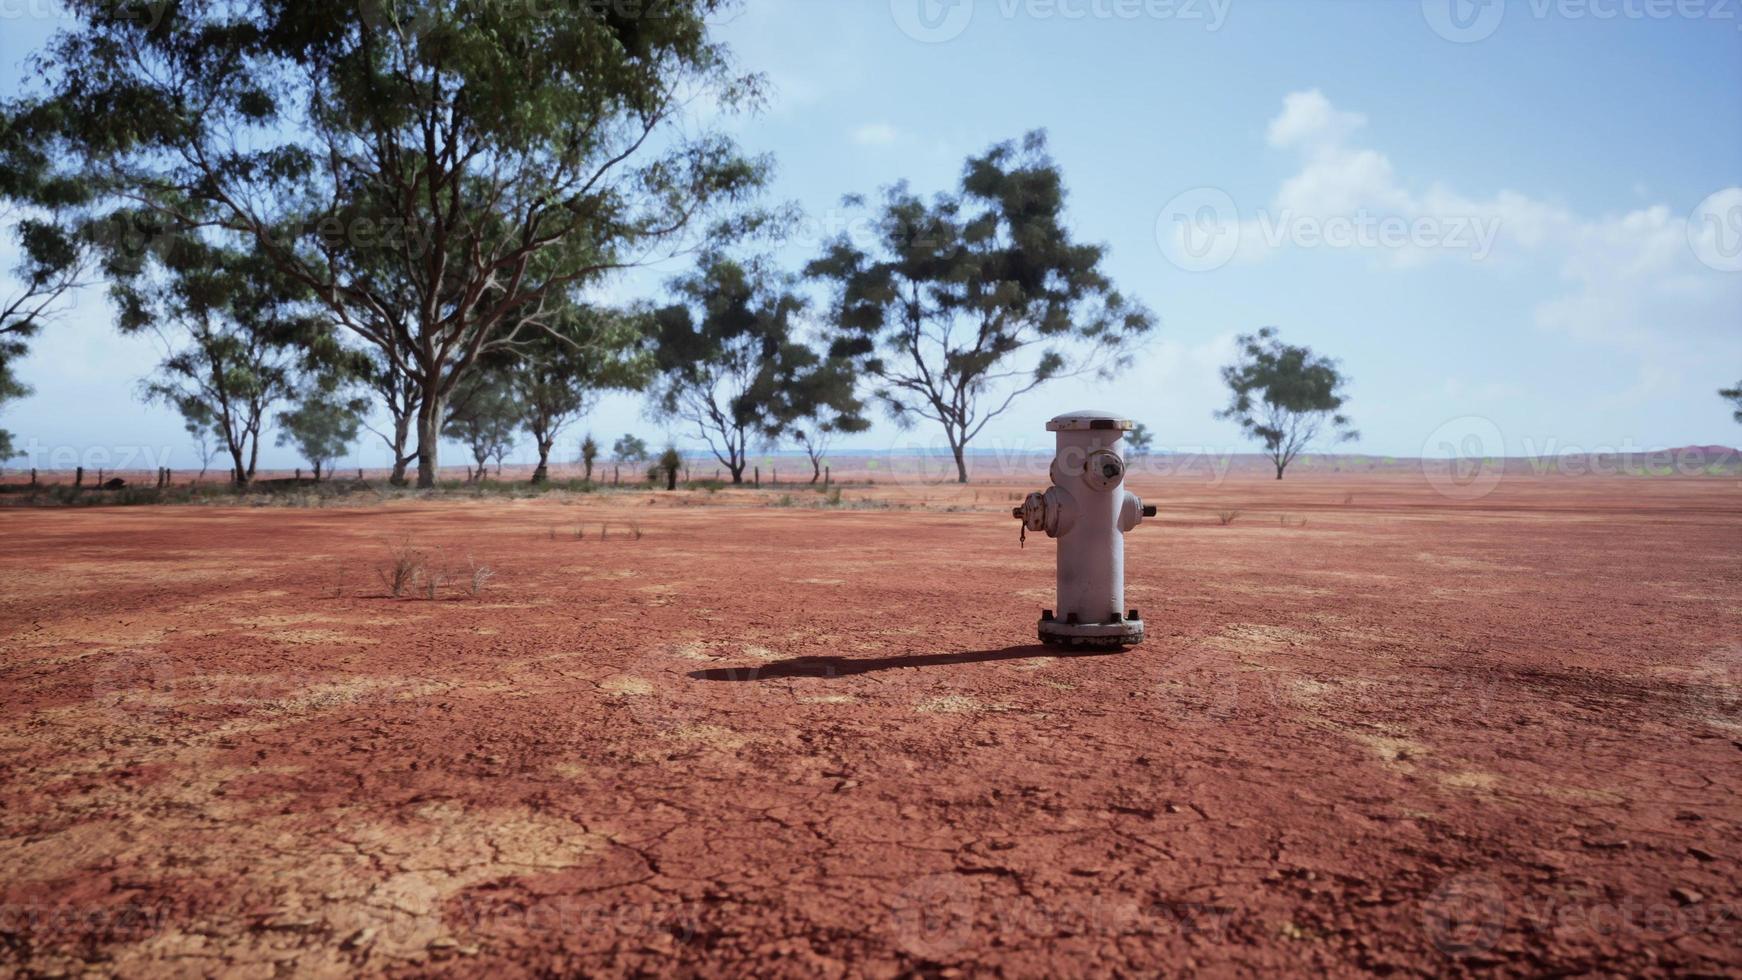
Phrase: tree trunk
(1279, 468)
(542, 473)
(401, 434)
(429, 435)
(737, 471)
(816, 469)
(317, 471)
(961, 462)
(671, 478)
(238, 472)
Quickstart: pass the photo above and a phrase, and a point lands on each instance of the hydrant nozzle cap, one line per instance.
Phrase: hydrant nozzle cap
(1089, 419)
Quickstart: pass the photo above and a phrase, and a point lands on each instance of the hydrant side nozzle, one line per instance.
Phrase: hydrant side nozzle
(1148, 510)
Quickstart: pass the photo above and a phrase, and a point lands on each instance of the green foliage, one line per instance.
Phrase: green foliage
(731, 364)
(630, 449)
(977, 297)
(433, 170)
(484, 416)
(53, 256)
(322, 426)
(1285, 396)
(1734, 396)
(589, 454)
(1139, 441)
(669, 466)
(237, 332)
(557, 375)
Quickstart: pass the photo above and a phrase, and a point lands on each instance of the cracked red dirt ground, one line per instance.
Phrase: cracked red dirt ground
(1410, 735)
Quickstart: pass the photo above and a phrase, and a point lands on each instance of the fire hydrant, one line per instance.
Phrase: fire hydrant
(1088, 510)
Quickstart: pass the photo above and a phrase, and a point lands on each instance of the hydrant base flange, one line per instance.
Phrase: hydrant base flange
(1091, 636)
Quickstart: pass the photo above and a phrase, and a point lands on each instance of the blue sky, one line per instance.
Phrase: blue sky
(1521, 223)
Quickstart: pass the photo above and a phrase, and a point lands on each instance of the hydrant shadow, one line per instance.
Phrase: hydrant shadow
(830, 667)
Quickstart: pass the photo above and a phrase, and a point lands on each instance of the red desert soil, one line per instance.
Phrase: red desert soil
(1411, 734)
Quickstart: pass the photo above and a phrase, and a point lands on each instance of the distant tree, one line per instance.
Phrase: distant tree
(729, 361)
(483, 416)
(1734, 396)
(1285, 396)
(480, 157)
(589, 455)
(819, 403)
(982, 295)
(204, 448)
(629, 449)
(399, 392)
(323, 424)
(557, 377)
(670, 464)
(1138, 442)
(237, 336)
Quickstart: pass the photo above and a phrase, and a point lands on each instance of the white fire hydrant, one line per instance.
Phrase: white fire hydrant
(1088, 510)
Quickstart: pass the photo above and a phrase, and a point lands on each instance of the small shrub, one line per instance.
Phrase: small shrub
(480, 575)
(405, 566)
(635, 529)
(1227, 517)
(433, 580)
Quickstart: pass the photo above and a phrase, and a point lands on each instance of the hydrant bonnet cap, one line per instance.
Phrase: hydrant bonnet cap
(1089, 419)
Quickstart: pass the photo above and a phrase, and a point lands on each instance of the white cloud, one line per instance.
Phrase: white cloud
(1309, 120)
(1635, 280)
(876, 134)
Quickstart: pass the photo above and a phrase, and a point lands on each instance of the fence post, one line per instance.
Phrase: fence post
(758, 477)
(826, 477)
(33, 476)
(79, 477)
(616, 474)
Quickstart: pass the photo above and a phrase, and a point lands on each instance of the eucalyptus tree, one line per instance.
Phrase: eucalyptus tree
(475, 157)
(322, 425)
(237, 336)
(819, 403)
(483, 416)
(1734, 397)
(729, 359)
(965, 303)
(1285, 395)
(556, 378)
